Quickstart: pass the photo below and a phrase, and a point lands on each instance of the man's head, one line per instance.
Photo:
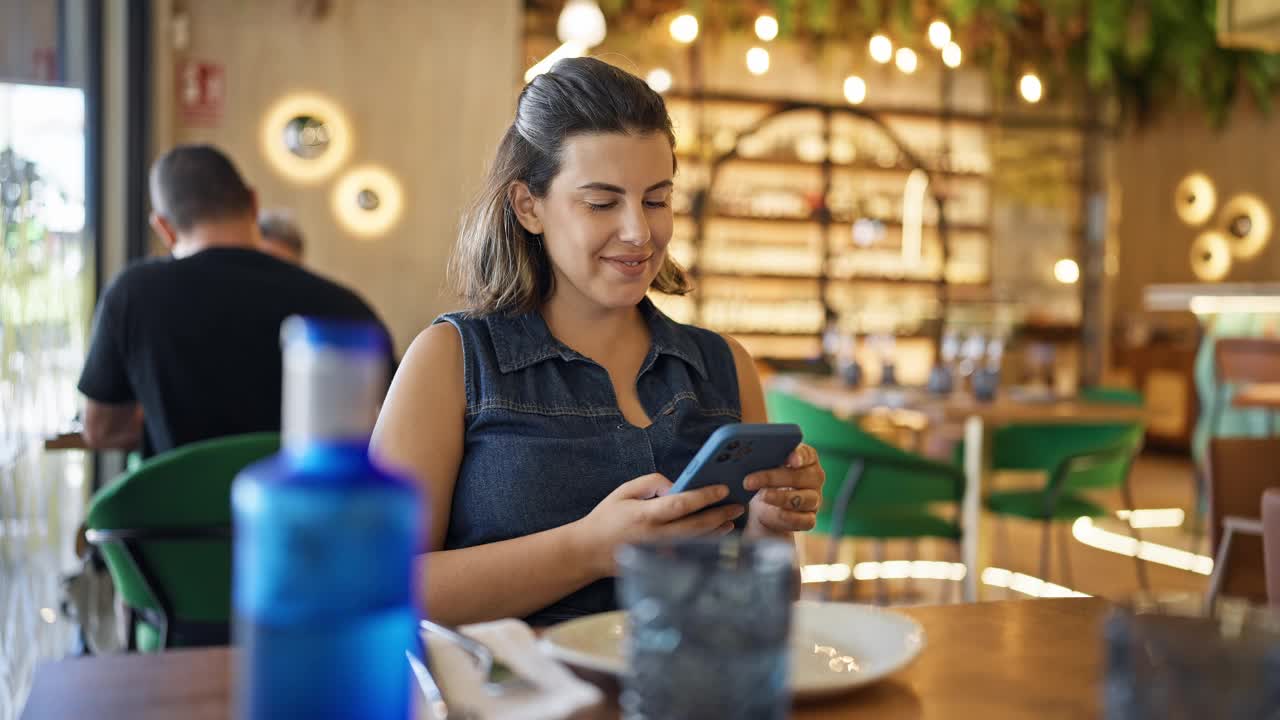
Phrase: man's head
(194, 187)
(280, 235)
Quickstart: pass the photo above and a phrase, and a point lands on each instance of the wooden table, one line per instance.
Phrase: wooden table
(979, 418)
(1012, 659)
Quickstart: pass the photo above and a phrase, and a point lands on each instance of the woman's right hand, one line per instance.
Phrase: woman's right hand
(641, 510)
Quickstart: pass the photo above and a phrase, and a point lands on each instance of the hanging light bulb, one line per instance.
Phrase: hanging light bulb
(582, 23)
(659, 79)
(1066, 271)
(758, 61)
(881, 48)
(951, 55)
(939, 34)
(684, 29)
(766, 27)
(1030, 87)
(906, 60)
(855, 89)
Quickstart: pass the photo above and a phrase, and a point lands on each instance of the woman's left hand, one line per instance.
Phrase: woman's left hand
(788, 497)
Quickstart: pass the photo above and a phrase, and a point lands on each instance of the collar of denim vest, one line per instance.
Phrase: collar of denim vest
(524, 340)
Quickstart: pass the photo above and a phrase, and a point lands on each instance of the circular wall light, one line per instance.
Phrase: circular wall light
(1247, 225)
(1195, 198)
(305, 137)
(368, 201)
(1210, 256)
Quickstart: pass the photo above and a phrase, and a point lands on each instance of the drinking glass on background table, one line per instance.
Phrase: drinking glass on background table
(709, 621)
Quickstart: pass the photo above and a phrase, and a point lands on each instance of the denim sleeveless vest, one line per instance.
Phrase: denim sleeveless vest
(545, 440)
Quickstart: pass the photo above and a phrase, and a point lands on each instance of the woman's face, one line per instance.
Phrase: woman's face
(606, 219)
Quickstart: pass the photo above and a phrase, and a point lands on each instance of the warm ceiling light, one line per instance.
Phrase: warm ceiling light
(766, 27)
(855, 89)
(1066, 271)
(1031, 88)
(758, 61)
(581, 22)
(939, 34)
(684, 29)
(659, 79)
(906, 60)
(951, 55)
(881, 48)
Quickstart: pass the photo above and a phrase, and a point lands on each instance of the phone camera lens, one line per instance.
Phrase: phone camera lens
(722, 457)
(733, 444)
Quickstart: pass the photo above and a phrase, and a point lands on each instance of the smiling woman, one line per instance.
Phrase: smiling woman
(558, 405)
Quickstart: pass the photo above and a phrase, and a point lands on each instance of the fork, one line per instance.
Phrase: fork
(500, 678)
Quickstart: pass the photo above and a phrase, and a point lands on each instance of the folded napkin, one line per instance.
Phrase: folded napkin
(559, 693)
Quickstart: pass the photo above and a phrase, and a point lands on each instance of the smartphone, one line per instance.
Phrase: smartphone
(734, 452)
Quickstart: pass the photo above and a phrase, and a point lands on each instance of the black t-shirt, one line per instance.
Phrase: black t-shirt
(196, 341)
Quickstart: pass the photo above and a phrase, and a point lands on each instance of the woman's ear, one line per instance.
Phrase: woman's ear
(525, 206)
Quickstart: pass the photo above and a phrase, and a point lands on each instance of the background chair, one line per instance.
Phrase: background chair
(873, 490)
(1075, 459)
(1241, 471)
(164, 530)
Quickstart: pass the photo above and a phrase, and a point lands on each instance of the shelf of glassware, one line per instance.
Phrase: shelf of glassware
(801, 136)
(866, 250)
(795, 195)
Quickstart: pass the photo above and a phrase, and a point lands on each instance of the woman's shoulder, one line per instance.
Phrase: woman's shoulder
(440, 342)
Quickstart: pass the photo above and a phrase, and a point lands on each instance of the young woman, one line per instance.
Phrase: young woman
(546, 422)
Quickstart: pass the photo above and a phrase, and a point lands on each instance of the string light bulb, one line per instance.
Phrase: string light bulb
(906, 60)
(758, 61)
(939, 34)
(951, 55)
(766, 27)
(1030, 87)
(684, 29)
(881, 48)
(855, 90)
(1066, 271)
(659, 79)
(581, 22)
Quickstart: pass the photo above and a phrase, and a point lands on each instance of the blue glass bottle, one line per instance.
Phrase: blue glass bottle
(324, 544)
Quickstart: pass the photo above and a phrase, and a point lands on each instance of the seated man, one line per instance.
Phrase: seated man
(280, 236)
(189, 346)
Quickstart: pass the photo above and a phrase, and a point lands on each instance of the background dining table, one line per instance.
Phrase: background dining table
(1008, 659)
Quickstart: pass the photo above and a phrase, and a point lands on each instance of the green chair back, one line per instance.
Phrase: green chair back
(1111, 395)
(186, 491)
(896, 488)
(1046, 447)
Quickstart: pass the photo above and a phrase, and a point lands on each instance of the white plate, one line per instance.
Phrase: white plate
(835, 647)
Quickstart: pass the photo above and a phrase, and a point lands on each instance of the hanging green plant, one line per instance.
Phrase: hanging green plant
(1148, 55)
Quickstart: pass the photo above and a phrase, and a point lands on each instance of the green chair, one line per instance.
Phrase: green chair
(873, 489)
(1075, 459)
(164, 531)
(1109, 395)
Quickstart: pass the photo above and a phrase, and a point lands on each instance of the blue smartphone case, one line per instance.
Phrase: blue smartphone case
(734, 452)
